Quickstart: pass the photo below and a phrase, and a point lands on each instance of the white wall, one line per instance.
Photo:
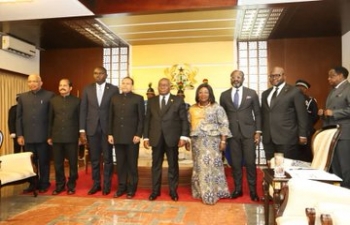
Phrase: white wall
(16, 63)
(345, 40)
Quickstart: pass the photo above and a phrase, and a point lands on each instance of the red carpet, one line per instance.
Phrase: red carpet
(84, 184)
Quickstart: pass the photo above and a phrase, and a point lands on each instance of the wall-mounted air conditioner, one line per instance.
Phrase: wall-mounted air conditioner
(17, 46)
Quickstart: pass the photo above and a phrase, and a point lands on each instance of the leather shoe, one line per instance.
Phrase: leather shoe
(174, 196)
(57, 191)
(118, 194)
(94, 190)
(130, 195)
(236, 194)
(153, 196)
(106, 191)
(71, 192)
(254, 197)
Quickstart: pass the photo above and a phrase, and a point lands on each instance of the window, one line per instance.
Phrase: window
(116, 62)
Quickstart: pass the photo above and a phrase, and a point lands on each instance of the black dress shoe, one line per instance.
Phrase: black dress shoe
(236, 194)
(254, 197)
(94, 190)
(174, 196)
(71, 192)
(118, 194)
(153, 196)
(130, 195)
(57, 191)
(106, 192)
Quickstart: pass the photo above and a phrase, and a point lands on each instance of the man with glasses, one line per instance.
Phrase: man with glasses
(284, 117)
(337, 111)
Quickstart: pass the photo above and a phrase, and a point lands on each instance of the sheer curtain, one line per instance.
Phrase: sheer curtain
(11, 84)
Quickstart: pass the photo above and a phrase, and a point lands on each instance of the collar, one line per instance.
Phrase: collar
(341, 83)
(281, 86)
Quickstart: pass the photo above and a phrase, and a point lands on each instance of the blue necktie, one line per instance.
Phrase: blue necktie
(236, 99)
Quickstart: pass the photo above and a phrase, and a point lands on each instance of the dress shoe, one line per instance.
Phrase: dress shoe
(118, 194)
(153, 196)
(57, 191)
(94, 190)
(174, 196)
(106, 191)
(236, 194)
(43, 190)
(71, 192)
(254, 197)
(130, 195)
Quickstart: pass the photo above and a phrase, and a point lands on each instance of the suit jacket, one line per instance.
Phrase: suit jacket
(247, 118)
(33, 115)
(91, 113)
(64, 119)
(338, 101)
(286, 120)
(171, 121)
(11, 122)
(126, 117)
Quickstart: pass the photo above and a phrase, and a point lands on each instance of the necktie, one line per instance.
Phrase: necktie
(236, 99)
(99, 95)
(163, 103)
(274, 95)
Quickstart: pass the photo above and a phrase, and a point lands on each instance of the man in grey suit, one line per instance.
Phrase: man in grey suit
(243, 111)
(64, 136)
(32, 128)
(94, 109)
(166, 129)
(337, 111)
(284, 117)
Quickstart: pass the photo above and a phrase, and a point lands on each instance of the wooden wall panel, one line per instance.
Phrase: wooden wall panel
(75, 64)
(307, 58)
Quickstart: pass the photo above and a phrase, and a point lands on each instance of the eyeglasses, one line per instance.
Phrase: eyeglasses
(273, 76)
(333, 75)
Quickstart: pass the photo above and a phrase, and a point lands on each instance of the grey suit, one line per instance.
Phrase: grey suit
(32, 123)
(338, 101)
(284, 122)
(94, 120)
(244, 122)
(164, 128)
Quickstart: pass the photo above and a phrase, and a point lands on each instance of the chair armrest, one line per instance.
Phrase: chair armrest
(17, 162)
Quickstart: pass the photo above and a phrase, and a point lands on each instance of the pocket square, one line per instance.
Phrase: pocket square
(249, 97)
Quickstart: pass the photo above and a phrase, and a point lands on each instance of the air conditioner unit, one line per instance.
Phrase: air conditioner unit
(17, 46)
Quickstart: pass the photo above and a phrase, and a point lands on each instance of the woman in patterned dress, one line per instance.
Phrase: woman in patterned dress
(209, 131)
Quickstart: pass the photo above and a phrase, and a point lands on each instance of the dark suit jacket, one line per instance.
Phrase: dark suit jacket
(338, 101)
(33, 115)
(91, 113)
(172, 121)
(126, 117)
(12, 119)
(287, 119)
(247, 118)
(64, 119)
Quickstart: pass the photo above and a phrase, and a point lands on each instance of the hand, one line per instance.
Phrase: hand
(83, 138)
(20, 140)
(222, 146)
(302, 140)
(110, 139)
(136, 139)
(49, 141)
(328, 112)
(146, 144)
(320, 112)
(188, 146)
(181, 143)
(257, 138)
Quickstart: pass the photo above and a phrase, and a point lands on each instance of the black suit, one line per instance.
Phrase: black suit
(64, 132)
(244, 122)
(126, 120)
(284, 122)
(163, 128)
(12, 128)
(32, 123)
(94, 121)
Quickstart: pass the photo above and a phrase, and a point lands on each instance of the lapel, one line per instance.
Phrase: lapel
(244, 97)
(336, 92)
(95, 93)
(284, 90)
(105, 93)
(167, 106)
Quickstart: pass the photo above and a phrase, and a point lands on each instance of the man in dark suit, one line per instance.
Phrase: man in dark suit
(64, 135)
(243, 111)
(166, 129)
(32, 128)
(337, 111)
(126, 119)
(94, 109)
(11, 122)
(284, 117)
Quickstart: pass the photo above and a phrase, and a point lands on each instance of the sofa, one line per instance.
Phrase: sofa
(324, 198)
(15, 168)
